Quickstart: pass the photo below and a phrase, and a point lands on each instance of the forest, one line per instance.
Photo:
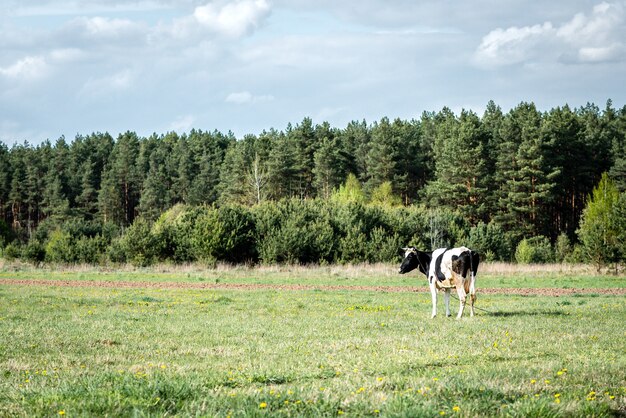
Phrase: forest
(517, 186)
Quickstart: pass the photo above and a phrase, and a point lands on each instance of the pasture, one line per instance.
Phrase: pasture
(107, 351)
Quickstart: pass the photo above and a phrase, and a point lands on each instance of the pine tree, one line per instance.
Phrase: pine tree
(383, 157)
(234, 185)
(305, 144)
(618, 127)
(329, 167)
(354, 142)
(185, 170)
(566, 156)
(281, 167)
(491, 126)
(17, 193)
(209, 151)
(602, 223)
(525, 181)
(121, 185)
(5, 182)
(55, 202)
(87, 200)
(460, 166)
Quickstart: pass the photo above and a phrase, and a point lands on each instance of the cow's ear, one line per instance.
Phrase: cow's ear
(405, 249)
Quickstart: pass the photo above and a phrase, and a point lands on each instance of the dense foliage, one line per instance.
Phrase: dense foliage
(314, 193)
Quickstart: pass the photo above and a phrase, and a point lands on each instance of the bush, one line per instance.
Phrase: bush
(603, 224)
(138, 243)
(12, 251)
(383, 246)
(534, 250)
(491, 241)
(60, 248)
(352, 246)
(562, 248)
(34, 252)
(295, 231)
(90, 250)
(224, 234)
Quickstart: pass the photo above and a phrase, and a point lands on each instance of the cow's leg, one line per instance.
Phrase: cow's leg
(446, 297)
(433, 296)
(472, 293)
(461, 292)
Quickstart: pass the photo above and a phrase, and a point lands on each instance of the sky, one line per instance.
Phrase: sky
(74, 67)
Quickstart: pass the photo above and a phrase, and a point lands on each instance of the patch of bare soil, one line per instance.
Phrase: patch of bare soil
(287, 287)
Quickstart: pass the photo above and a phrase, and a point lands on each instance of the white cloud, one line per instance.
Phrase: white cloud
(31, 67)
(183, 123)
(104, 86)
(106, 30)
(245, 97)
(595, 38)
(602, 54)
(512, 45)
(598, 28)
(66, 54)
(80, 7)
(233, 19)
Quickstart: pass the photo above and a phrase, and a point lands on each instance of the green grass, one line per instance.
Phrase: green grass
(134, 352)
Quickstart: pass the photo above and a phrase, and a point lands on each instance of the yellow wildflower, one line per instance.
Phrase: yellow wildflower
(263, 405)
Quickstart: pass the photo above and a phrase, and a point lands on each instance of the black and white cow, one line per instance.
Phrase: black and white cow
(446, 269)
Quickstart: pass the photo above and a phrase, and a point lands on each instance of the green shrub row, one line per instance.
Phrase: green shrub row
(289, 231)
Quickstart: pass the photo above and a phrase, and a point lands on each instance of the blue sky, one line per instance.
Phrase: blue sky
(72, 67)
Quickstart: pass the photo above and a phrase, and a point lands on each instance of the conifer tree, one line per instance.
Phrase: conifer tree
(329, 167)
(460, 166)
(5, 182)
(281, 167)
(121, 186)
(304, 141)
(602, 224)
(525, 181)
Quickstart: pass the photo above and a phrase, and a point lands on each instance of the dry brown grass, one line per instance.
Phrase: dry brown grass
(345, 270)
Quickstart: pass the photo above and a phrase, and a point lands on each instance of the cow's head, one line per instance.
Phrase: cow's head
(414, 258)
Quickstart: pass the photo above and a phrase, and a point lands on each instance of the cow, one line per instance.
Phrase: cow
(446, 269)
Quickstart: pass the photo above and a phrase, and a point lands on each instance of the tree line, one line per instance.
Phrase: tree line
(525, 174)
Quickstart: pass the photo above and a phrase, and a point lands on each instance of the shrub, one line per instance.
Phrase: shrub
(34, 252)
(562, 248)
(12, 251)
(295, 231)
(603, 224)
(383, 246)
(491, 241)
(90, 250)
(60, 248)
(352, 246)
(226, 234)
(138, 243)
(534, 250)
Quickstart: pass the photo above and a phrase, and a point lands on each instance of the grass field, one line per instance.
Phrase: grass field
(90, 351)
